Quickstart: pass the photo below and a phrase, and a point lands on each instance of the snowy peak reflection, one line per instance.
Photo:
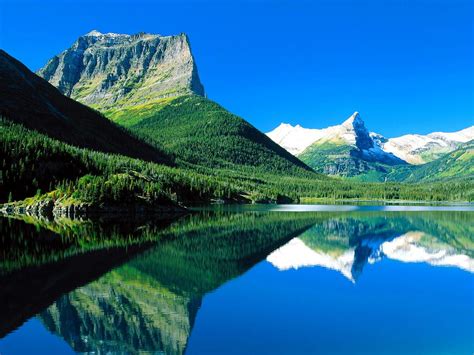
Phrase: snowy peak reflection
(348, 244)
(296, 254)
(409, 248)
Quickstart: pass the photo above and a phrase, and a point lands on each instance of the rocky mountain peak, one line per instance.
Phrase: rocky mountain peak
(355, 122)
(356, 126)
(93, 33)
(111, 71)
(354, 119)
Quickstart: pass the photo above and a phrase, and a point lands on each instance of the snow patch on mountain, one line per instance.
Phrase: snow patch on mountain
(352, 131)
(296, 139)
(420, 149)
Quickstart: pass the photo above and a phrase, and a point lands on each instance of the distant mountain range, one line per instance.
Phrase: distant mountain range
(350, 150)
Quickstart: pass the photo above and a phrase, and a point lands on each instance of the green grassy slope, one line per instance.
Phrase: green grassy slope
(458, 164)
(199, 131)
(338, 159)
(32, 163)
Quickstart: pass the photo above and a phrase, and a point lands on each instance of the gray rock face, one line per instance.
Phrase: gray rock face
(117, 70)
(362, 136)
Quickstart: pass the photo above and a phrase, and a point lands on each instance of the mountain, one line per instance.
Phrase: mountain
(347, 149)
(149, 83)
(419, 149)
(351, 150)
(412, 247)
(458, 163)
(113, 71)
(202, 132)
(28, 99)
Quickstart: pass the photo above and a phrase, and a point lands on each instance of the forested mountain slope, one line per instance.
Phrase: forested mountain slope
(30, 100)
(199, 131)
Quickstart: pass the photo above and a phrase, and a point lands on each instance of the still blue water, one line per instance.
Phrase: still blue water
(276, 283)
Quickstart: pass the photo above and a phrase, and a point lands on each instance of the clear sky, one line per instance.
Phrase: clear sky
(405, 65)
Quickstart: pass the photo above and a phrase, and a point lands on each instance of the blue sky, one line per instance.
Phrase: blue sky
(406, 66)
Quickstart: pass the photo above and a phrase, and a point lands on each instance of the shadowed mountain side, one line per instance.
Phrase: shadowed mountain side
(27, 292)
(47, 259)
(30, 100)
(29, 241)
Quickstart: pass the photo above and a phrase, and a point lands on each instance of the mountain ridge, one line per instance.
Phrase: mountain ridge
(349, 149)
(288, 135)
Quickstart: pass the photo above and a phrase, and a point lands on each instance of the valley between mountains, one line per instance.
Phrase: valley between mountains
(122, 123)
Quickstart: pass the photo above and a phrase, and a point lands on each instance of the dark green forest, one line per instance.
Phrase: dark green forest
(34, 164)
(199, 131)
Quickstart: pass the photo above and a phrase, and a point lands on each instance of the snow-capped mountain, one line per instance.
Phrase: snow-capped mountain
(411, 148)
(420, 149)
(348, 149)
(296, 139)
(407, 248)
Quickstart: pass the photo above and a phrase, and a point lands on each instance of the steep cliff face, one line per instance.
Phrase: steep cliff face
(112, 70)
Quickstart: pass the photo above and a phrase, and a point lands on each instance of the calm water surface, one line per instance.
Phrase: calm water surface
(242, 280)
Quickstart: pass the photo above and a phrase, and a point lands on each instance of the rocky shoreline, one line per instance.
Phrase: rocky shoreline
(55, 209)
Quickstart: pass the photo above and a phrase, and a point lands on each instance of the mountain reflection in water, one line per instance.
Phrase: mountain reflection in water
(148, 296)
(411, 247)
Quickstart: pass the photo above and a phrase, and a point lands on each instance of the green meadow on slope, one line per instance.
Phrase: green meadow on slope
(456, 164)
(199, 131)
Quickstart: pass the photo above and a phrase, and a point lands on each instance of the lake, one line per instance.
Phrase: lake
(242, 280)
